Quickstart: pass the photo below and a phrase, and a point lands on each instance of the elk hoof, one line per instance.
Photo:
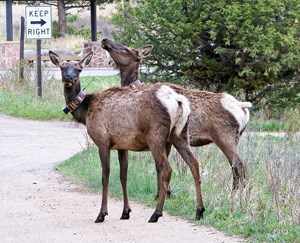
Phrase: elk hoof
(238, 185)
(169, 194)
(154, 217)
(125, 214)
(100, 217)
(199, 213)
(235, 187)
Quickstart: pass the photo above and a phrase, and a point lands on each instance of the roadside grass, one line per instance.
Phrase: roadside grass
(19, 97)
(287, 121)
(267, 210)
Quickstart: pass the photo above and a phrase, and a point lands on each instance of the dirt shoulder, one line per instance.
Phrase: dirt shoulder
(38, 205)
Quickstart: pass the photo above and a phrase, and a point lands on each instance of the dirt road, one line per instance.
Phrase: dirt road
(38, 205)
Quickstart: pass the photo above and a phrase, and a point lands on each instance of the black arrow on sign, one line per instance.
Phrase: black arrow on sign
(41, 22)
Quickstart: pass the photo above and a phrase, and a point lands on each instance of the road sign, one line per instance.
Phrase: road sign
(38, 22)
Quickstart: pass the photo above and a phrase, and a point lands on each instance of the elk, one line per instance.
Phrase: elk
(152, 118)
(215, 117)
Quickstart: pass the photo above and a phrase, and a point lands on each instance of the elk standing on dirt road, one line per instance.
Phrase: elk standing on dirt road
(151, 118)
(215, 117)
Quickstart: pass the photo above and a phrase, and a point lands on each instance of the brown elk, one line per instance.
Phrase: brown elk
(215, 117)
(152, 118)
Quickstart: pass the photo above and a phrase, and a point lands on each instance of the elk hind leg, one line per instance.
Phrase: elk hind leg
(182, 146)
(229, 148)
(169, 191)
(164, 174)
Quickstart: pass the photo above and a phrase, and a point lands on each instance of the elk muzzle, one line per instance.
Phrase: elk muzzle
(69, 76)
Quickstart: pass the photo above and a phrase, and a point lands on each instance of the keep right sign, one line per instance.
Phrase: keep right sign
(38, 22)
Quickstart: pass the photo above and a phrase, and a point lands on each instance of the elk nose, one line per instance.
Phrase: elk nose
(68, 77)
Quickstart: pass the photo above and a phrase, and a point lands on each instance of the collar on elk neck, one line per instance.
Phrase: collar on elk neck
(135, 84)
(73, 105)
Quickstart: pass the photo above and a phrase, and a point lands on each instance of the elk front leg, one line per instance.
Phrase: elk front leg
(123, 160)
(104, 154)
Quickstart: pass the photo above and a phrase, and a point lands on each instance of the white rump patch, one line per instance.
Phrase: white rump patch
(238, 109)
(178, 113)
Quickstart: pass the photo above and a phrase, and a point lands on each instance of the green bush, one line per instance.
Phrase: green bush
(230, 46)
(55, 30)
(83, 31)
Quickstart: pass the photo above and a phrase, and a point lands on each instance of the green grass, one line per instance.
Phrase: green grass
(20, 99)
(287, 121)
(267, 211)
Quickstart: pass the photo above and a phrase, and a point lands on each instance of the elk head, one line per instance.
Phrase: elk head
(70, 70)
(127, 60)
(124, 56)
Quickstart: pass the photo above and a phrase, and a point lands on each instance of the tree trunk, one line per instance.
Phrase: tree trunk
(62, 20)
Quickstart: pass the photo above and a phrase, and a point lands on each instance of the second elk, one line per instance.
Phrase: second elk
(215, 117)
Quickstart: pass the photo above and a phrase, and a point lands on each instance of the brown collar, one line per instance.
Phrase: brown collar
(73, 105)
(135, 84)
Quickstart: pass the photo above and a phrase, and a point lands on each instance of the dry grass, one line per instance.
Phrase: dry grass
(267, 210)
(71, 43)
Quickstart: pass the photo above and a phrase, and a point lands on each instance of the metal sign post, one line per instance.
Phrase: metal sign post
(39, 66)
(39, 26)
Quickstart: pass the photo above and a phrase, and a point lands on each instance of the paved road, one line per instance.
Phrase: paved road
(55, 72)
(87, 72)
(39, 205)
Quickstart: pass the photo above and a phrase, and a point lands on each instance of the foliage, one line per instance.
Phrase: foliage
(55, 29)
(83, 31)
(252, 46)
(266, 211)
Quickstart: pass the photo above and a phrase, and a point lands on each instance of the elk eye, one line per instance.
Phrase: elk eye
(79, 70)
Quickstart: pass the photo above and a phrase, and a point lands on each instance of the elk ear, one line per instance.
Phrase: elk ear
(87, 59)
(145, 50)
(55, 59)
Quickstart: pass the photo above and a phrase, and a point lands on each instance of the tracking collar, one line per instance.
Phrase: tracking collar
(73, 105)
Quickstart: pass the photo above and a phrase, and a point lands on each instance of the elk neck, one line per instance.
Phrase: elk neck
(129, 74)
(80, 112)
(71, 93)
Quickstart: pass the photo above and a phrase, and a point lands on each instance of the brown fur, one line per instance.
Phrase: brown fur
(134, 123)
(127, 119)
(209, 121)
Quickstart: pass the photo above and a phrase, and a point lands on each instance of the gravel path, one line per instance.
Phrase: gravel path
(39, 205)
